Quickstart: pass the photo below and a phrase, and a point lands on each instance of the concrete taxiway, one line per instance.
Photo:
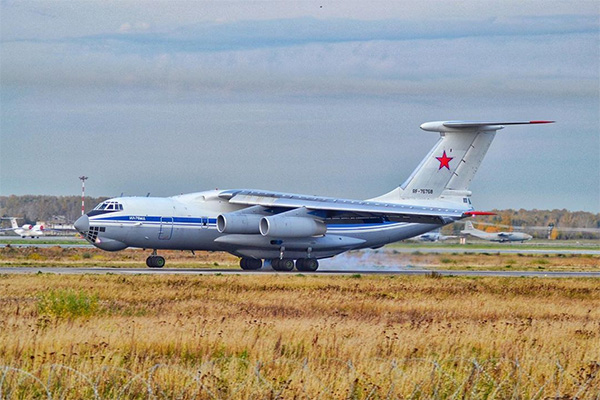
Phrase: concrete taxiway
(232, 271)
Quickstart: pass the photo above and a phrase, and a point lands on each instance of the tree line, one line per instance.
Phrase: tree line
(32, 208)
(568, 224)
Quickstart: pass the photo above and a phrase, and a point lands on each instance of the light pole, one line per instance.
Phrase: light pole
(83, 178)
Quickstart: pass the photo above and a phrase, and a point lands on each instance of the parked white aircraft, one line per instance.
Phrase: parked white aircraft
(279, 228)
(27, 230)
(495, 236)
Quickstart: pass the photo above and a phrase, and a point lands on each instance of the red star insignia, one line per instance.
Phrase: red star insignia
(444, 161)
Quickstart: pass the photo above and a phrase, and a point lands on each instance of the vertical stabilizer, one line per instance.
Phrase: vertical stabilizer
(469, 226)
(447, 171)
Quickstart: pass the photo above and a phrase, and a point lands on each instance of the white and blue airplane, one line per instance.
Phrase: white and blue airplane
(287, 230)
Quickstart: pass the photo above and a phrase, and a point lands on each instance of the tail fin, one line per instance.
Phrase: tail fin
(13, 223)
(447, 171)
(469, 226)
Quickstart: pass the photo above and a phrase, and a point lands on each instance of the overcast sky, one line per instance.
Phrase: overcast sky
(312, 97)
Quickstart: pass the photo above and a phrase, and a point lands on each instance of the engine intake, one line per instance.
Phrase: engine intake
(291, 227)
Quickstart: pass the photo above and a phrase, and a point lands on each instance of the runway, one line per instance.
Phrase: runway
(232, 271)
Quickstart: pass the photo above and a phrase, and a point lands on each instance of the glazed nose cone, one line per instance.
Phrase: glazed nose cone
(82, 224)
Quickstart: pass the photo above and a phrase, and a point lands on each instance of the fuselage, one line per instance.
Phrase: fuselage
(189, 222)
(30, 231)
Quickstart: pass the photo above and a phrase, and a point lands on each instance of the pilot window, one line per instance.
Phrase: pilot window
(109, 206)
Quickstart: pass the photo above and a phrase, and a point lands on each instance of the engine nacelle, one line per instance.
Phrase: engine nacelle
(291, 227)
(238, 223)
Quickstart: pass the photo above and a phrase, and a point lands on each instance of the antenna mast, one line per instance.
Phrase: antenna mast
(83, 178)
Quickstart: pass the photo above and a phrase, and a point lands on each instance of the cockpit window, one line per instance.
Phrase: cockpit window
(109, 206)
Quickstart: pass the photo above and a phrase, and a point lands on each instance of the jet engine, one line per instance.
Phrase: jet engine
(237, 222)
(291, 227)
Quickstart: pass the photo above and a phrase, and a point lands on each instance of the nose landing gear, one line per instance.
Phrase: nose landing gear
(155, 261)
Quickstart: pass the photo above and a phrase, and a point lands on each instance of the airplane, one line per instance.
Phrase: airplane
(433, 236)
(27, 230)
(287, 230)
(496, 236)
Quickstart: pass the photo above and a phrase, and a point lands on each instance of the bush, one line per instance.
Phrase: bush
(67, 304)
(434, 275)
(36, 257)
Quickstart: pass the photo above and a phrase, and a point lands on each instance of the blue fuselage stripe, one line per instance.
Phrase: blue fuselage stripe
(146, 218)
(203, 222)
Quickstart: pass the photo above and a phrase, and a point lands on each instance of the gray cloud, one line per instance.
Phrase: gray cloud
(253, 34)
(563, 65)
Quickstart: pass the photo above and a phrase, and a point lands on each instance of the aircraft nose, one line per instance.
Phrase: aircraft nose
(82, 224)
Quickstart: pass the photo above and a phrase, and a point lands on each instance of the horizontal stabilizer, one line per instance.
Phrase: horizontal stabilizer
(475, 213)
(445, 126)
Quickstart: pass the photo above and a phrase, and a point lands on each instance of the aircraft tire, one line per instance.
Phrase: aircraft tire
(250, 264)
(283, 265)
(307, 264)
(155, 262)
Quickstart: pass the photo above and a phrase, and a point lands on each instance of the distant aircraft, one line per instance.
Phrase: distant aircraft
(287, 230)
(433, 236)
(27, 230)
(496, 236)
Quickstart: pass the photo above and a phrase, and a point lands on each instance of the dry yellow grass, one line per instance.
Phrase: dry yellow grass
(66, 256)
(302, 336)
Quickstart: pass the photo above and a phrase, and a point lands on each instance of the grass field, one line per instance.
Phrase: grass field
(294, 336)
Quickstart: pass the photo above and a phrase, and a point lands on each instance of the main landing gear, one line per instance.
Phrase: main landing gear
(307, 264)
(250, 264)
(155, 261)
(281, 264)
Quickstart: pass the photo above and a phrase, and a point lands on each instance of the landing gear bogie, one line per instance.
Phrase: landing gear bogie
(281, 264)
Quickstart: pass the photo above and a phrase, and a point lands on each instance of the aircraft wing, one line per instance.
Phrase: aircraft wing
(504, 234)
(335, 209)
